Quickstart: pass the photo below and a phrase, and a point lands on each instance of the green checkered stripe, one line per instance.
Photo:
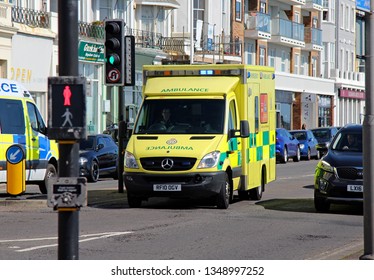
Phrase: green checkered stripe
(261, 146)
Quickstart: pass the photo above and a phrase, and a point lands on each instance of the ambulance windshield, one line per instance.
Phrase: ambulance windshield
(181, 116)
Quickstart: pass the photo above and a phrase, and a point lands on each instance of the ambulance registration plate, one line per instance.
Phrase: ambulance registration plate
(167, 187)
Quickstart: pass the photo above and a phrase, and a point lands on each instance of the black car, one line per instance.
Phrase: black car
(98, 155)
(324, 136)
(339, 174)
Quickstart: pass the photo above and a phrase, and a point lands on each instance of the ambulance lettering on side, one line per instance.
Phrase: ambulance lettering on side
(21, 123)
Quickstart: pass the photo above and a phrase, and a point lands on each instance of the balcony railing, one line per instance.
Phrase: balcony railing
(318, 2)
(31, 17)
(258, 21)
(287, 28)
(144, 39)
(92, 30)
(316, 36)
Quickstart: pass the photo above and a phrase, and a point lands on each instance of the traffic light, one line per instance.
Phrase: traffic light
(114, 52)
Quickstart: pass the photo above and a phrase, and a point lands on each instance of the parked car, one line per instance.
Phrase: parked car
(308, 143)
(339, 174)
(286, 146)
(98, 155)
(324, 136)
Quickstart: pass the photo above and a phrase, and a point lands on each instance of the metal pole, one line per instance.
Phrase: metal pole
(191, 34)
(68, 221)
(368, 136)
(121, 138)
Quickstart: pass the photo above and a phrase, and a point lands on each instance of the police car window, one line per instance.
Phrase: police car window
(12, 119)
(36, 120)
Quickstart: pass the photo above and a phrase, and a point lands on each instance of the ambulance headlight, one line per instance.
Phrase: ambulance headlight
(209, 160)
(130, 161)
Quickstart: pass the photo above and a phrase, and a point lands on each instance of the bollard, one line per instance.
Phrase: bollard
(16, 170)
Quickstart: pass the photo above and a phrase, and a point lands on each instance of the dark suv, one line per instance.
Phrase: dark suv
(339, 174)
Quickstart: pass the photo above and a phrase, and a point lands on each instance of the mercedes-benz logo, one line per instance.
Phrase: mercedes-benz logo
(167, 164)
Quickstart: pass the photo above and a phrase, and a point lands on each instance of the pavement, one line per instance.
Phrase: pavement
(32, 198)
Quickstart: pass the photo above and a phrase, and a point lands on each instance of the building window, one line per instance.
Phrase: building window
(297, 64)
(283, 62)
(329, 11)
(263, 6)
(238, 10)
(198, 13)
(347, 19)
(262, 56)
(120, 9)
(342, 59)
(250, 48)
(303, 66)
(272, 54)
(105, 9)
(332, 55)
(342, 16)
(314, 66)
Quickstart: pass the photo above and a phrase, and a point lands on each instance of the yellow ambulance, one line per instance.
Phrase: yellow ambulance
(21, 123)
(203, 131)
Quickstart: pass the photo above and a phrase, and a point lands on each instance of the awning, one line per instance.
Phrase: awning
(168, 4)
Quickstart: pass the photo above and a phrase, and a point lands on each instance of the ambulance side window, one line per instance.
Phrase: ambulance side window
(36, 120)
(257, 113)
(12, 118)
(232, 116)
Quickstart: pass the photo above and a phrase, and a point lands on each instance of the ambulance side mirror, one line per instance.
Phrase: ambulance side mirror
(243, 132)
(244, 129)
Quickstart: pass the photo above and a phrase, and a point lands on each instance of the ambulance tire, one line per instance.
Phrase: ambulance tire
(256, 193)
(223, 198)
(51, 172)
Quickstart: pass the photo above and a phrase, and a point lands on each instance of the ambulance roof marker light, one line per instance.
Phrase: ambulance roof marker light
(206, 72)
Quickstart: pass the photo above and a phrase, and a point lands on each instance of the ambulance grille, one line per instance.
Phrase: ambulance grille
(167, 163)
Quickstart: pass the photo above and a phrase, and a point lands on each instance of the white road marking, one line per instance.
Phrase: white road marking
(294, 177)
(82, 238)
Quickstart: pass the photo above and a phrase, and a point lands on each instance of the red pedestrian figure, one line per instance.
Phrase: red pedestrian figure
(67, 96)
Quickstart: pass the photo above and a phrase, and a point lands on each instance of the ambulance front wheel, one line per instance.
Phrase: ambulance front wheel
(51, 172)
(223, 198)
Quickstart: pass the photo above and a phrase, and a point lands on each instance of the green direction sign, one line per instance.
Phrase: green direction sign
(91, 52)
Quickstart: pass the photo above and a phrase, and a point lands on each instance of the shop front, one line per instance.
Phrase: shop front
(91, 61)
(26, 66)
(350, 106)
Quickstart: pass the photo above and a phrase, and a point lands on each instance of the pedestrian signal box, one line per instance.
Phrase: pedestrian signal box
(66, 108)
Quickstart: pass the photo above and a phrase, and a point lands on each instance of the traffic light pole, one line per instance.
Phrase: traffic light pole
(121, 135)
(368, 136)
(68, 220)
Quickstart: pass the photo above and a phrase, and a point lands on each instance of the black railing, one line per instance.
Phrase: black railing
(31, 17)
(92, 30)
(144, 39)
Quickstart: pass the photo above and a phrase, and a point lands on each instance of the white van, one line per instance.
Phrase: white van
(21, 123)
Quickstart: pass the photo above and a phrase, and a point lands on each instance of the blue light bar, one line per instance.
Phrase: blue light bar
(206, 72)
